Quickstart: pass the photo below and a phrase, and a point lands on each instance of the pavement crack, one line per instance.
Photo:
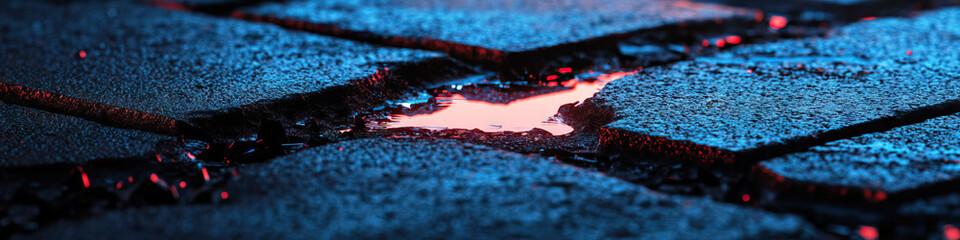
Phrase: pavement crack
(97, 112)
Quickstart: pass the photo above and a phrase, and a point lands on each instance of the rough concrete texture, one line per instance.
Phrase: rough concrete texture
(948, 205)
(173, 63)
(899, 159)
(773, 94)
(407, 188)
(31, 137)
(504, 25)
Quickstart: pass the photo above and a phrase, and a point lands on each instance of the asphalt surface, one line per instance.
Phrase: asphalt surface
(65, 139)
(408, 188)
(869, 105)
(174, 63)
(900, 159)
(508, 26)
(788, 93)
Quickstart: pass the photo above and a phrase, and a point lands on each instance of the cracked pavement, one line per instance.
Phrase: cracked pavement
(258, 119)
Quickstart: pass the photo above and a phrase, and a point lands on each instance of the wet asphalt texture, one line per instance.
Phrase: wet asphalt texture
(248, 119)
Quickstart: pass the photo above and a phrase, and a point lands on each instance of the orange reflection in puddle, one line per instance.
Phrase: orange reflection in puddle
(517, 116)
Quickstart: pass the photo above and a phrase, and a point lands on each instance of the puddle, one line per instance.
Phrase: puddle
(454, 110)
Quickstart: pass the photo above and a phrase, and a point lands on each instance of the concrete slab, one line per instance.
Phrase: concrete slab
(173, 63)
(406, 188)
(488, 31)
(901, 159)
(30, 137)
(762, 100)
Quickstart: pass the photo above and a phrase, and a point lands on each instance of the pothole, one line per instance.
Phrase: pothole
(490, 105)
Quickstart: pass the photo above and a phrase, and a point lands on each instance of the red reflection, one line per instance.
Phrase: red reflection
(154, 177)
(183, 184)
(746, 197)
(868, 18)
(86, 181)
(83, 54)
(721, 43)
(565, 70)
(206, 176)
(170, 5)
(880, 196)
(614, 76)
(733, 39)
(517, 116)
(94, 111)
(951, 232)
(778, 22)
(868, 232)
(909, 52)
(706, 43)
(224, 195)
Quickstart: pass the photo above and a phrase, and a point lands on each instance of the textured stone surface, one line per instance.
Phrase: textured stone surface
(32, 137)
(948, 205)
(771, 94)
(404, 188)
(173, 63)
(899, 159)
(505, 25)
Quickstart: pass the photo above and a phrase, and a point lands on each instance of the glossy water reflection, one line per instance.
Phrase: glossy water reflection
(458, 112)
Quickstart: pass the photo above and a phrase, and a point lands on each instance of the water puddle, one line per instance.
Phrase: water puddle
(460, 107)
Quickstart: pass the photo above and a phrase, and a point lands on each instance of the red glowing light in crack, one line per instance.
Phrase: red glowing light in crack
(206, 176)
(778, 22)
(733, 39)
(746, 197)
(82, 54)
(159, 159)
(224, 195)
(552, 77)
(951, 232)
(706, 43)
(169, 5)
(721, 43)
(517, 116)
(119, 184)
(868, 18)
(86, 181)
(565, 70)
(868, 232)
(880, 196)
(154, 178)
